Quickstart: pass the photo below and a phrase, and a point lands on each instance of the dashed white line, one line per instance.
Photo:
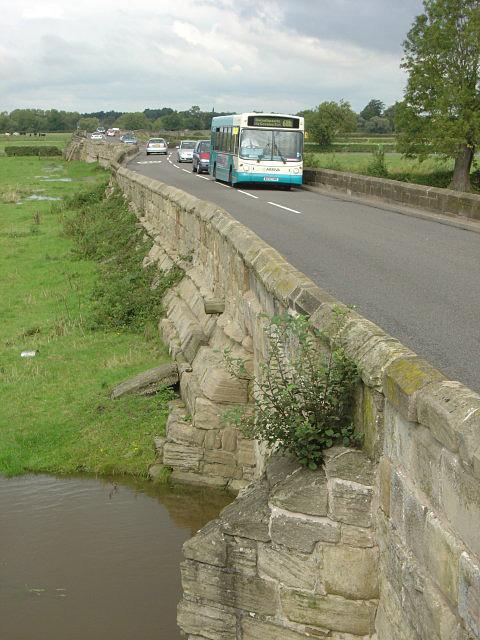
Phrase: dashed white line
(186, 170)
(176, 166)
(224, 185)
(203, 177)
(280, 206)
(247, 194)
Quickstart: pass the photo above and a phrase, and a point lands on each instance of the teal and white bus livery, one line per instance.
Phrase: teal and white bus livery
(257, 147)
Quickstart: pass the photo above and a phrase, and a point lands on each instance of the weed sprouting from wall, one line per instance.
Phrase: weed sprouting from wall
(303, 394)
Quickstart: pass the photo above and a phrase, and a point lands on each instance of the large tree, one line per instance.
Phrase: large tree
(374, 109)
(441, 109)
(328, 120)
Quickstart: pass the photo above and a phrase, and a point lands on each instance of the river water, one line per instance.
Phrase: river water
(89, 559)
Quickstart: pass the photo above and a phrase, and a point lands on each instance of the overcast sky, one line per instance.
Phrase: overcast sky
(238, 55)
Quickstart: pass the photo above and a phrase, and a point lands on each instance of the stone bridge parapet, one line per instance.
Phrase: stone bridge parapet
(418, 530)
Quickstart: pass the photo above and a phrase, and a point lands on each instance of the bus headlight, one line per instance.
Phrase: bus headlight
(296, 170)
(246, 167)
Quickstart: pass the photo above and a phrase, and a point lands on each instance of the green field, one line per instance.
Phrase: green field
(50, 140)
(55, 411)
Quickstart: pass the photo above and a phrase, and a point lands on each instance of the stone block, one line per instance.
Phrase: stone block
(403, 379)
(246, 452)
(215, 381)
(253, 629)
(302, 534)
(181, 456)
(217, 456)
(250, 593)
(371, 421)
(460, 498)
(289, 568)
(304, 491)
(442, 555)
(279, 467)
(183, 432)
(350, 572)
(207, 546)
(350, 502)
(452, 413)
(352, 465)
(213, 439)
(212, 622)
(331, 612)
(197, 479)
(229, 439)
(469, 594)
(242, 555)
(222, 470)
(208, 415)
(357, 536)
(385, 484)
(249, 515)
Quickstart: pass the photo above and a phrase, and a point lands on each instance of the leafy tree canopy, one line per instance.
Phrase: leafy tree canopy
(88, 124)
(134, 120)
(374, 109)
(441, 109)
(328, 120)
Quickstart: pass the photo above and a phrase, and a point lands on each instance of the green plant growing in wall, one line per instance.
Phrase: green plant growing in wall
(303, 394)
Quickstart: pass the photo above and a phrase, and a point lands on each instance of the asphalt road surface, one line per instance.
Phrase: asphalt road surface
(417, 279)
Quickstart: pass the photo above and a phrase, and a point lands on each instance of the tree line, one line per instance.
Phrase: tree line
(439, 113)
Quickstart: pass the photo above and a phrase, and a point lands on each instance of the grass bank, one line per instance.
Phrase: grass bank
(55, 411)
(433, 172)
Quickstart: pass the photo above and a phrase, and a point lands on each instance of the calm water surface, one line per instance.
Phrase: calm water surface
(89, 559)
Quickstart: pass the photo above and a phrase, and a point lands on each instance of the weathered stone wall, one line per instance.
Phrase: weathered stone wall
(444, 201)
(106, 154)
(421, 432)
(293, 557)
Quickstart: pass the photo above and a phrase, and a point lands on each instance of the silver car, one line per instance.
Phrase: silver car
(156, 145)
(185, 150)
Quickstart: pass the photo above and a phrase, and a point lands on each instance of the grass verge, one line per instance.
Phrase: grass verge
(55, 411)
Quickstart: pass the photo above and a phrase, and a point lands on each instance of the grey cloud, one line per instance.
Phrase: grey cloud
(374, 24)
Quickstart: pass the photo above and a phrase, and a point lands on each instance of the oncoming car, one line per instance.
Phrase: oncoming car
(97, 135)
(185, 150)
(201, 156)
(129, 138)
(156, 145)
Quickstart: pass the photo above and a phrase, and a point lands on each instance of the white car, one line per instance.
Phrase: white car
(96, 135)
(185, 150)
(156, 145)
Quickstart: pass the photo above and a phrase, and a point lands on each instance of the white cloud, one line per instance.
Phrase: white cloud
(128, 56)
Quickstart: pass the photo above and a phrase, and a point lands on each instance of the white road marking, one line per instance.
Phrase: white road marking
(203, 177)
(186, 170)
(149, 162)
(247, 194)
(176, 166)
(280, 206)
(224, 185)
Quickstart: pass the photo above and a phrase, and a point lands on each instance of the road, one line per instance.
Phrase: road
(417, 279)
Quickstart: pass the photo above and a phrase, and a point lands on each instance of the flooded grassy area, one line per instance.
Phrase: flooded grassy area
(55, 411)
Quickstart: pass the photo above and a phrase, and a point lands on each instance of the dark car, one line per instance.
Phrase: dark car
(201, 156)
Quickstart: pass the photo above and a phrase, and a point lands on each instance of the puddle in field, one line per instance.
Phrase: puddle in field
(84, 558)
(39, 197)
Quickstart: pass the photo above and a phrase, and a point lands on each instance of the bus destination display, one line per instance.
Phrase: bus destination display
(273, 121)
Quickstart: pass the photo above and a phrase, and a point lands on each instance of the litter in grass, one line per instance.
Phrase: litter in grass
(29, 354)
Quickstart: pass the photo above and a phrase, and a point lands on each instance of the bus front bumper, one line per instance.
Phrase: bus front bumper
(265, 178)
